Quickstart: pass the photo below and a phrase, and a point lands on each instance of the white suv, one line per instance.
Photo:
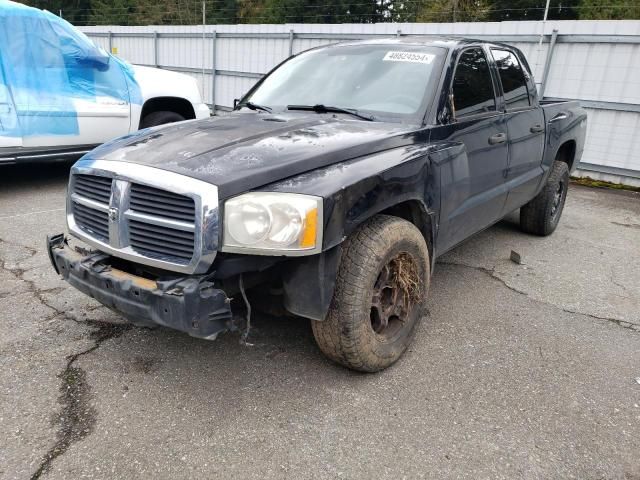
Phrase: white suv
(60, 95)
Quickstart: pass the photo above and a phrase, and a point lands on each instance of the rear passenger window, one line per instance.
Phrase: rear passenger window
(472, 85)
(514, 83)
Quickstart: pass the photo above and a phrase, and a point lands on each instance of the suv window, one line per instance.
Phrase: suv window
(472, 84)
(514, 83)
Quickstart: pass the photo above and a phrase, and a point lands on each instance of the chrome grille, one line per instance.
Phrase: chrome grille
(162, 242)
(93, 187)
(161, 223)
(92, 195)
(154, 201)
(92, 221)
(143, 214)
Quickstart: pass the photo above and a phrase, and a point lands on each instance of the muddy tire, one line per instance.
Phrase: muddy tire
(160, 118)
(541, 215)
(380, 295)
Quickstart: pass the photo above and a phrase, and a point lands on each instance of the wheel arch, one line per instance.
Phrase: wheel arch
(310, 281)
(567, 153)
(178, 105)
(416, 213)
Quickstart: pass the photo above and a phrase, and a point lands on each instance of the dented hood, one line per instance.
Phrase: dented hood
(242, 151)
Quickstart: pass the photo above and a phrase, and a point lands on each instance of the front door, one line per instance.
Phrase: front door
(87, 101)
(66, 91)
(10, 135)
(473, 190)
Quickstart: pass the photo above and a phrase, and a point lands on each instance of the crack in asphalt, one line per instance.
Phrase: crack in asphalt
(634, 327)
(77, 417)
(18, 274)
(627, 225)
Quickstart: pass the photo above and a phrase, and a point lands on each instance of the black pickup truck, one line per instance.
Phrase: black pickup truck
(330, 190)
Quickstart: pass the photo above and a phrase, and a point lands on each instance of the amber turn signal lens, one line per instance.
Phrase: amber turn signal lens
(310, 229)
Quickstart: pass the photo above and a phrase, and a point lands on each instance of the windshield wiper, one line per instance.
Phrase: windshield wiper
(255, 106)
(319, 108)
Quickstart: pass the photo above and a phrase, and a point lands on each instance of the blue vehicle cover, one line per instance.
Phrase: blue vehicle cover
(46, 64)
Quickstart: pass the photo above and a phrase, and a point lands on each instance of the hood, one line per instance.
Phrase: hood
(242, 151)
(145, 74)
(156, 82)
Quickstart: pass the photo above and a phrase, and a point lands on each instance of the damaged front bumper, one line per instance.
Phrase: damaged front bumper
(188, 303)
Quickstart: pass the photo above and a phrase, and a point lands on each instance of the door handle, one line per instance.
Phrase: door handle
(558, 117)
(537, 128)
(497, 138)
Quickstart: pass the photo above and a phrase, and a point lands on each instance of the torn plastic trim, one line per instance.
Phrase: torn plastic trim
(186, 303)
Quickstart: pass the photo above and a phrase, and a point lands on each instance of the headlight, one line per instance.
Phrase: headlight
(273, 223)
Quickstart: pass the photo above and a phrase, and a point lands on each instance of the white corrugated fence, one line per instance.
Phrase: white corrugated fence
(597, 62)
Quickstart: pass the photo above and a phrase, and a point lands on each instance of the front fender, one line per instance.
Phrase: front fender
(353, 192)
(356, 190)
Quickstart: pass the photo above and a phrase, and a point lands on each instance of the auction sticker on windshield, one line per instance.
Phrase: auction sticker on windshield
(414, 57)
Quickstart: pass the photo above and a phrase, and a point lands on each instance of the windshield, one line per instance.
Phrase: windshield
(380, 79)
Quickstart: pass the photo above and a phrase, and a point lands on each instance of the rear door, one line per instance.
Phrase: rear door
(473, 192)
(525, 126)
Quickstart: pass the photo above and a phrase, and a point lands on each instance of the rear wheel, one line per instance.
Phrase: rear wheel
(160, 118)
(541, 215)
(379, 298)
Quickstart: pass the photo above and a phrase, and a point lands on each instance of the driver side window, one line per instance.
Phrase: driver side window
(472, 85)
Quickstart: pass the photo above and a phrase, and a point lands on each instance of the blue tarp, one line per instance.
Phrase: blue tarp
(46, 64)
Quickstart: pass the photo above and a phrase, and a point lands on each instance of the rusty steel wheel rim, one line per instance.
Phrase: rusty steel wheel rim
(557, 199)
(394, 296)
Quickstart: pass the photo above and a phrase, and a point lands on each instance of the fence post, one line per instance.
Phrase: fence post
(547, 62)
(110, 41)
(213, 73)
(155, 49)
(291, 42)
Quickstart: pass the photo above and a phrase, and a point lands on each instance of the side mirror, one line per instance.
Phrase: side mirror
(96, 58)
(235, 102)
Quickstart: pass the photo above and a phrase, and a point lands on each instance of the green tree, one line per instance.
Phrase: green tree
(309, 11)
(609, 10)
(112, 12)
(452, 11)
(75, 11)
(223, 11)
(501, 10)
(189, 12)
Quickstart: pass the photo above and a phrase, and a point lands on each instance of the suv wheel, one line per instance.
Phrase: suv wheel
(541, 215)
(380, 295)
(160, 118)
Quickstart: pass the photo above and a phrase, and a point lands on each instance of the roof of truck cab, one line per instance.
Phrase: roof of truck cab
(445, 41)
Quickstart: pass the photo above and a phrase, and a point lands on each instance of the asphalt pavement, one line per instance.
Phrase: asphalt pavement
(525, 370)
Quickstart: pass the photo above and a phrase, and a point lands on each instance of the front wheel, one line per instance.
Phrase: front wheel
(160, 118)
(541, 215)
(380, 295)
